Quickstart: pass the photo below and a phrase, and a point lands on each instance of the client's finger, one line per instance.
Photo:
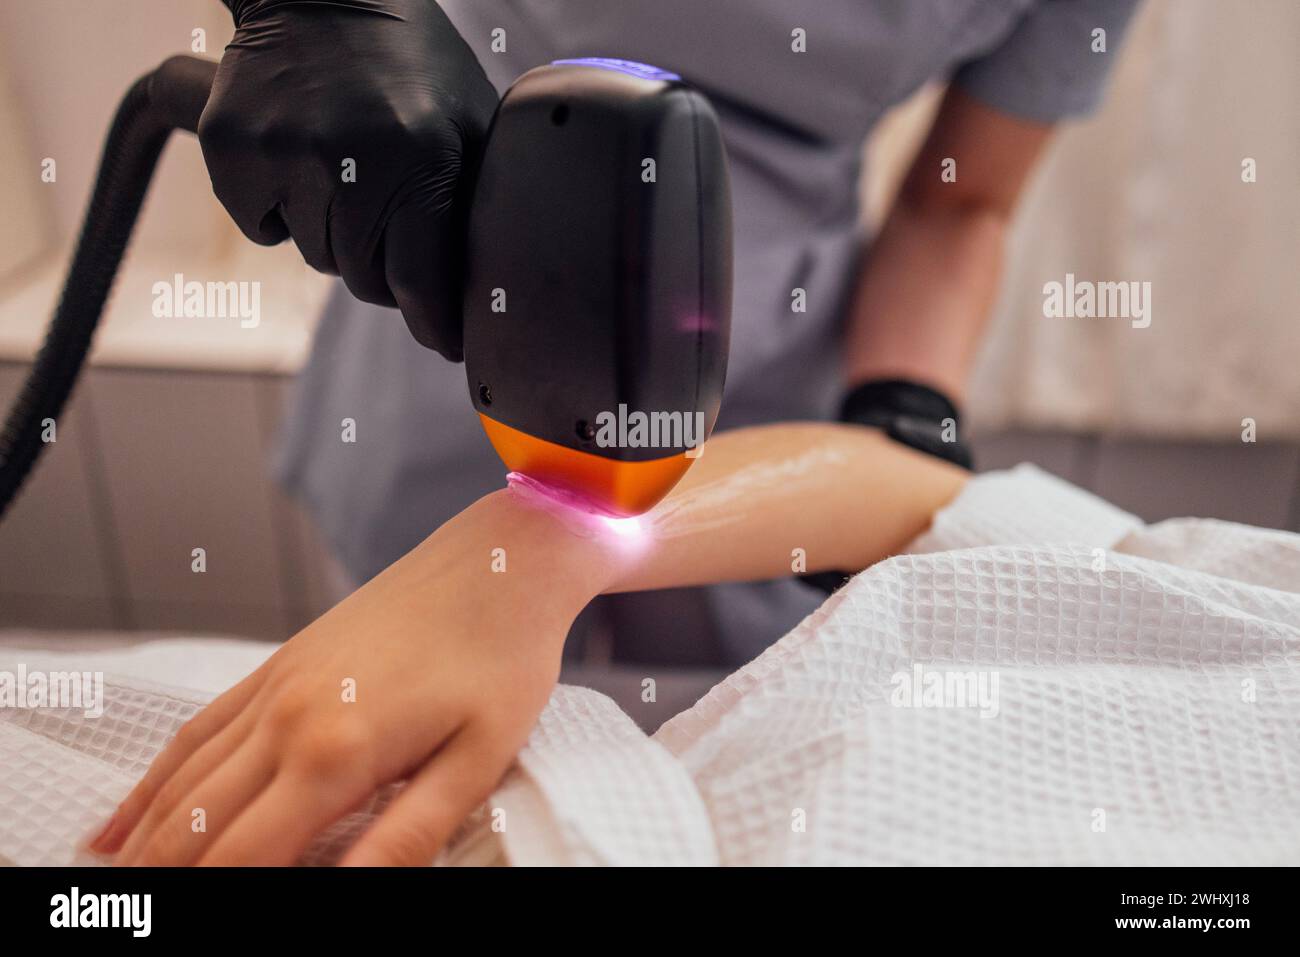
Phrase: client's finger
(198, 820)
(181, 784)
(279, 825)
(423, 817)
(193, 735)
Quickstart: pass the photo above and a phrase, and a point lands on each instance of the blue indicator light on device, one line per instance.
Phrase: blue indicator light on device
(630, 67)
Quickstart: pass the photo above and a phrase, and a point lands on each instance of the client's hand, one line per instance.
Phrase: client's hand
(435, 671)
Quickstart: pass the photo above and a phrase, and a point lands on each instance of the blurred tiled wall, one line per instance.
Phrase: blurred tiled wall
(147, 466)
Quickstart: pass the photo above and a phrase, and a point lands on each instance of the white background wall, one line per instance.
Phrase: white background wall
(1151, 190)
(67, 63)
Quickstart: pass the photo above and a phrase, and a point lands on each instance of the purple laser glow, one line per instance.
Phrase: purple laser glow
(643, 70)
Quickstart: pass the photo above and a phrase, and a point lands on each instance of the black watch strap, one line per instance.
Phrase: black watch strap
(913, 414)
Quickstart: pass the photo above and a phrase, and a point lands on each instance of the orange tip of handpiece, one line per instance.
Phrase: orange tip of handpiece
(610, 485)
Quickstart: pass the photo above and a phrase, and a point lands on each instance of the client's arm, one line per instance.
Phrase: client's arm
(437, 669)
(844, 495)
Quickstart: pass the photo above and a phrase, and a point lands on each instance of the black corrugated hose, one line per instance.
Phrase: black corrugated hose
(172, 97)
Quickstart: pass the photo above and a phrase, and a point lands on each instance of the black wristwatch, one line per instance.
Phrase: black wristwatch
(913, 414)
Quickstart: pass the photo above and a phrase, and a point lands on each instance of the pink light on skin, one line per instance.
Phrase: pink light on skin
(629, 527)
(578, 511)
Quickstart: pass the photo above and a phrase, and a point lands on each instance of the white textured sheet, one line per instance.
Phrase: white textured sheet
(1148, 681)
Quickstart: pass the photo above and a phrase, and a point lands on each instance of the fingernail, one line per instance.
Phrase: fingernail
(105, 841)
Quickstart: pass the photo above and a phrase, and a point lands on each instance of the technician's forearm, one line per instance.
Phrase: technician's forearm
(933, 272)
(925, 293)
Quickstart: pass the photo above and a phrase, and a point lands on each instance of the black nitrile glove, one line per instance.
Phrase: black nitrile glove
(910, 413)
(310, 91)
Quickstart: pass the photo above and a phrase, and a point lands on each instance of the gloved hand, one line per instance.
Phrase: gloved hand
(310, 91)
